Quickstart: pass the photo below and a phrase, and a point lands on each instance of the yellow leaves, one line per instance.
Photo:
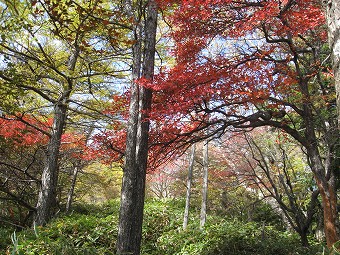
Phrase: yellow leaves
(100, 182)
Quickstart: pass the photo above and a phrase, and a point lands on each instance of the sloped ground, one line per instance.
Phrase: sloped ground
(92, 230)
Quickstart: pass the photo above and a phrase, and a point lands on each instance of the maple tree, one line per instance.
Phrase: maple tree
(276, 169)
(20, 155)
(242, 65)
(239, 65)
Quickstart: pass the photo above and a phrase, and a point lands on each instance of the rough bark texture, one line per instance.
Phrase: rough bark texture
(327, 188)
(328, 193)
(47, 195)
(333, 21)
(133, 186)
(324, 174)
(189, 181)
(203, 215)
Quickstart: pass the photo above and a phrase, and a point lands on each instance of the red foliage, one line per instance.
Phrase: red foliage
(22, 134)
(233, 54)
(230, 57)
(30, 132)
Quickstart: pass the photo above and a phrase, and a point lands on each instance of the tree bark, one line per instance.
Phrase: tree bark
(329, 202)
(203, 215)
(189, 181)
(73, 184)
(328, 192)
(325, 179)
(333, 22)
(133, 186)
(47, 195)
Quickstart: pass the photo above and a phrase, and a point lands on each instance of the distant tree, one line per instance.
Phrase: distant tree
(277, 169)
(205, 167)
(188, 187)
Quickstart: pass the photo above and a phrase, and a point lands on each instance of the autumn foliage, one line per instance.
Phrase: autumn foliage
(232, 58)
(231, 54)
(28, 132)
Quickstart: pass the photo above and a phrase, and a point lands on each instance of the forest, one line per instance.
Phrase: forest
(169, 127)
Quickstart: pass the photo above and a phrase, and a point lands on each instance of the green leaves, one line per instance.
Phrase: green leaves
(10, 97)
(94, 232)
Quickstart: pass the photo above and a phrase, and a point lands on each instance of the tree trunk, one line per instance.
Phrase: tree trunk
(133, 185)
(203, 215)
(304, 238)
(49, 180)
(128, 214)
(333, 22)
(327, 188)
(73, 184)
(47, 195)
(189, 181)
(328, 192)
(329, 204)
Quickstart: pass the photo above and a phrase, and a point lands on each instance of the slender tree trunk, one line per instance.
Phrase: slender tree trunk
(203, 215)
(329, 205)
(319, 232)
(133, 186)
(189, 181)
(47, 195)
(333, 21)
(73, 184)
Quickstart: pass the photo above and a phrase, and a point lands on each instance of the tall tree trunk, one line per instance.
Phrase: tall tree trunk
(47, 195)
(328, 192)
(333, 22)
(189, 181)
(203, 215)
(127, 214)
(133, 186)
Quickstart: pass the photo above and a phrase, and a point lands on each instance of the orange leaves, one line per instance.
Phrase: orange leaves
(21, 134)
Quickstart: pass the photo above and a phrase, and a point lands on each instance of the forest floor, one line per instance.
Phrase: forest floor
(92, 229)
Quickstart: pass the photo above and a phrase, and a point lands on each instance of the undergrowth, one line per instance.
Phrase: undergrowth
(93, 230)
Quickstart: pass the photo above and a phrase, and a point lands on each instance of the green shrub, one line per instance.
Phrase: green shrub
(94, 230)
(159, 217)
(5, 237)
(76, 234)
(230, 238)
